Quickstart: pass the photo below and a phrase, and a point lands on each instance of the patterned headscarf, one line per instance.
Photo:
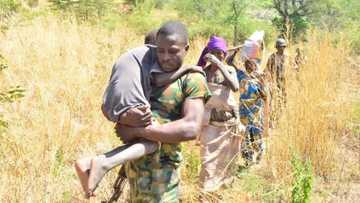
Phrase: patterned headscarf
(214, 43)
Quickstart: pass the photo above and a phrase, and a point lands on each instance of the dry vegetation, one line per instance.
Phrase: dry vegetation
(64, 68)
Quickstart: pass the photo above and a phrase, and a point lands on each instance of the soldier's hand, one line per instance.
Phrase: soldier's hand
(136, 117)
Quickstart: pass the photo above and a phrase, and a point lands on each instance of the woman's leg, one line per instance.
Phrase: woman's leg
(100, 165)
(82, 167)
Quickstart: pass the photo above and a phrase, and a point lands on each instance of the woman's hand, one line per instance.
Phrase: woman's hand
(231, 79)
(212, 59)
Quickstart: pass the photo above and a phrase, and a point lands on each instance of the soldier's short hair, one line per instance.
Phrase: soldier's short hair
(174, 28)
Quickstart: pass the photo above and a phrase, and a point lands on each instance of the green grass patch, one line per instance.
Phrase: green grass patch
(260, 188)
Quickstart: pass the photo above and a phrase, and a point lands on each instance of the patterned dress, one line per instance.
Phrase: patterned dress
(251, 115)
(155, 177)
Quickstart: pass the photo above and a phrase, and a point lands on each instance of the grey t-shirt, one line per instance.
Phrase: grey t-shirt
(129, 84)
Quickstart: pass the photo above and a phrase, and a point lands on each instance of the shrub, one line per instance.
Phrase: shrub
(303, 179)
(8, 7)
(83, 10)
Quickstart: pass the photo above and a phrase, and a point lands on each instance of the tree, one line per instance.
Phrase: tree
(84, 10)
(226, 18)
(238, 8)
(293, 17)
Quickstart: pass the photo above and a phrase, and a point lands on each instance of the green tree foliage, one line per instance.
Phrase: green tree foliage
(209, 16)
(8, 7)
(292, 21)
(157, 3)
(335, 16)
(237, 11)
(141, 15)
(227, 18)
(83, 10)
(339, 16)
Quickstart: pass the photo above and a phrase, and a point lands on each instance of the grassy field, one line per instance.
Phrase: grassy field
(64, 68)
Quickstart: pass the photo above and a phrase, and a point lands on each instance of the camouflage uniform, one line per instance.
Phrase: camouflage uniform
(251, 115)
(276, 70)
(155, 177)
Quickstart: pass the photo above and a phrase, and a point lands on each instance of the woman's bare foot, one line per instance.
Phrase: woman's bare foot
(82, 167)
(97, 171)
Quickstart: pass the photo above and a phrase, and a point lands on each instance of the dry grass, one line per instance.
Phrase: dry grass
(64, 68)
(317, 113)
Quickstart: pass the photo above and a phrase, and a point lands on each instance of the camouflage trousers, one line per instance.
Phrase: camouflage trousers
(252, 147)
(277, 104)
(151, 183)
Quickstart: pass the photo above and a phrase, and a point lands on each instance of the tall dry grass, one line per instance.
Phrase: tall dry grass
(64, 68)
(318, 107)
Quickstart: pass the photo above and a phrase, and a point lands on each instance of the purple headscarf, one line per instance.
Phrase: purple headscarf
(214, 43)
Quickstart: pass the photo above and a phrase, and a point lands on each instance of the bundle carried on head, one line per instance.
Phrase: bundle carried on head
(253, 47)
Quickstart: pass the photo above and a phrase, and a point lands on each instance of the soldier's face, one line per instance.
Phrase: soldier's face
(170, 52)
(281, 49)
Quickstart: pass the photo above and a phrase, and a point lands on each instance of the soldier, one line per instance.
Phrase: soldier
(177, 106)
(275, 71)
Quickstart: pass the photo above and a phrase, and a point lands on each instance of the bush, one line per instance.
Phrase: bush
(157, 3)
(303, 179)
(7, 8)
(228, 19)
(299, 26)
(83, 10)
